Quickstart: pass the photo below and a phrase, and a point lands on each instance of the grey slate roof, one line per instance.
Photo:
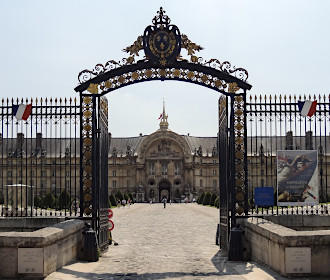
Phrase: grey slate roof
(58, 147)
(121, 144)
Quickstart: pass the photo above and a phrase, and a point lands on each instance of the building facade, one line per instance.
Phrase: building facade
(163, 164)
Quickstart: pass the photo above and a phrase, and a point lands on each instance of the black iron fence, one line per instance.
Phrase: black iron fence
(276, 123)
(39, 157)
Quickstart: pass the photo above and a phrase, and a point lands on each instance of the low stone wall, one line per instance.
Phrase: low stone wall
(286, 250)
(39, 253)
(27, 224)
(301, 222)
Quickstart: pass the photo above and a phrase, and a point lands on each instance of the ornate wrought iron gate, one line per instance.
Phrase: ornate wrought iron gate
(223, 171)
(94, 164)
(162, 43)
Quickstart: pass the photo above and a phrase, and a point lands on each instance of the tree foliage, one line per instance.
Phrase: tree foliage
(213, 198)
(207, 199)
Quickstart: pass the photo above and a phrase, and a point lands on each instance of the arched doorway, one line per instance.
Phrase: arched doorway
(164, 188)
(162, 43)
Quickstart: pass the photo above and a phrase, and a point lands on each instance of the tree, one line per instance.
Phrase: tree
(213, 198)
(126, 196)
(201, 198)
(119, 196)
(207, 199)
(217, 202)
(113, 200)
(38, 201)
(48, 201)
(64, 200)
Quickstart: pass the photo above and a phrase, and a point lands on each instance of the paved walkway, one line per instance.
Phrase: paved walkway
(156, 243)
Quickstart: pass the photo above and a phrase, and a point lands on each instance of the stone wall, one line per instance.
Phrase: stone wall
(302, 222)
(266, 243)
(26, 224)
(59, 244)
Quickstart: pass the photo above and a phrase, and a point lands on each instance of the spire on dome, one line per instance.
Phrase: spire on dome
(163, 122)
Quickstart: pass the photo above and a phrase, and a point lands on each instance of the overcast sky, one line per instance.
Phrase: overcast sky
(284, 45)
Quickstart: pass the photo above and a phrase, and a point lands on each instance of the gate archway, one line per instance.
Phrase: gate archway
(161, 43)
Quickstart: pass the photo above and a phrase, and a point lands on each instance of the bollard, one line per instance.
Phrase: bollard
(90, 245)
(235, 252)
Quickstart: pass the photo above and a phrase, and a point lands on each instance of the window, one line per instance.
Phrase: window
(114, 173)
(201, 172)
(201, 183)
(214, 161)
(214, 172)
(152, 168)
(114, 184)
(9, 173)
(67, 173)
(44, 173)
(177, 169)
(67, 184)
(215, 183)
(164, 168)
(54, 173)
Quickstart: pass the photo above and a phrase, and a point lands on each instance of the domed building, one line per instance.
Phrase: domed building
(163, 164)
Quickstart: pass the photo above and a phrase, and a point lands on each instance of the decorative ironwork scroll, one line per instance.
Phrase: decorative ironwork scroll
(162, 43)
(86, 154)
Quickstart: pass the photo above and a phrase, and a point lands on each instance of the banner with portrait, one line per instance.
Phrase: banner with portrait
(297, 178)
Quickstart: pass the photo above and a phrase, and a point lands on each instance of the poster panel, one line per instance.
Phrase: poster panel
(297, 178)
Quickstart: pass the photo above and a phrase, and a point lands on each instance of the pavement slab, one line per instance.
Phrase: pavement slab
(177, 242)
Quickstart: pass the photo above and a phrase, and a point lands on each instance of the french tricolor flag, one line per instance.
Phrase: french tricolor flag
(22, 112)
(307, 108)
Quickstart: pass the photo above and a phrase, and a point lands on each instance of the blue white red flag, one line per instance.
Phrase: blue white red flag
(22, 112)
(307, 108)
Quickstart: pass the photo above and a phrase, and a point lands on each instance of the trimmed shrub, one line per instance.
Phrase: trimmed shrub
(217, 202)
(213, 198)
(38, 201)
(113, 200)
(64, 200)
(48, 201)
(119, 196)
(207, 199)
(201, 198)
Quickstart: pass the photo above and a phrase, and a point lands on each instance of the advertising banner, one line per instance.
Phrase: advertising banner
(297, 178)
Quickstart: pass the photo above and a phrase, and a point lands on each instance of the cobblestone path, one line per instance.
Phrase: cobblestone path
(156, 243)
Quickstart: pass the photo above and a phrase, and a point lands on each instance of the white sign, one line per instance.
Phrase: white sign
(31, 260)
(298, 260)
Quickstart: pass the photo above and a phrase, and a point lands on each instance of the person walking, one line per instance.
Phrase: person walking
(164, 201)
